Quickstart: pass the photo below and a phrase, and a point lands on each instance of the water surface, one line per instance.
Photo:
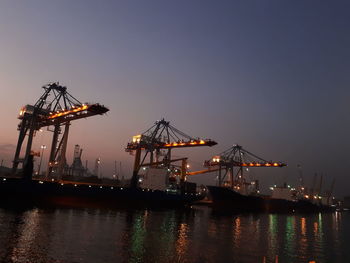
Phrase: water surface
(192, 235)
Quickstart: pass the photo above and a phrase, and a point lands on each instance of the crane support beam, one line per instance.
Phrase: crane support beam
(53, 151)
(22, 133)
(203, 171)
(163, 162)
(75, 113)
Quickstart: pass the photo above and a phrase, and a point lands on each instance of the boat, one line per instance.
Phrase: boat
(228, 199)
(26, 190)
(235, 193)
(39, 192)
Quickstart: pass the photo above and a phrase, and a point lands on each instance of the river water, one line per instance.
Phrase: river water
(192, 235)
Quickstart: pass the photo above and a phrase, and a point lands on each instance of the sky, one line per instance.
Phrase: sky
(272, 76)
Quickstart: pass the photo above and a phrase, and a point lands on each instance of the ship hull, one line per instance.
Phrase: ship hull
(227, 199)
(14, 190)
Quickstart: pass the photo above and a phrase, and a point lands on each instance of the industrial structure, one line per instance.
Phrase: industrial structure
(231, 164)
(157, 143)
(156, 179)
(55, 108)
(76, 169)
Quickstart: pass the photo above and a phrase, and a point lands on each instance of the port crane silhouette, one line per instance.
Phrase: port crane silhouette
(158, 142)
(239, 158)
(56, 108)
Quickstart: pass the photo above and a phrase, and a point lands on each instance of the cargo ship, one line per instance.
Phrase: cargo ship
(228, 199)
(38, 192)
(154, 192)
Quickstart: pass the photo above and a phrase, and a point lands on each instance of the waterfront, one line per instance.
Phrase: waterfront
(191, 235)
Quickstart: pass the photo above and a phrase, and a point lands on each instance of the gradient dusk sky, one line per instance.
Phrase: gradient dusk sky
(272, 76)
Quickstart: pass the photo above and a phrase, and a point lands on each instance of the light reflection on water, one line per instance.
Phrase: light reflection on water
(194, 235)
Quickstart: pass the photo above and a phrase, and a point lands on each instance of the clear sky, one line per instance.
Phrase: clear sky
(272, 76)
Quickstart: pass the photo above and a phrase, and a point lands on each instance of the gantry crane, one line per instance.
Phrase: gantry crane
(56, 107)
(239, 158)
(158, 141)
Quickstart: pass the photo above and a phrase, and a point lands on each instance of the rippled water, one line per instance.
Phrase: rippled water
(193, 235)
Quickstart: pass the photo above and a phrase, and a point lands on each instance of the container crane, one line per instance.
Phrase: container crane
(160, 137)
(238, 157)
(57, 108)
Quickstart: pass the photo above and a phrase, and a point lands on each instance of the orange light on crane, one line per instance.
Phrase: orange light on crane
(136, 140)
(215, 161)
(190, 143)
(64, 113)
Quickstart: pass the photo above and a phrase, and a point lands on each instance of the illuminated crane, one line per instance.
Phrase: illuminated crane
(237, 156)
(56, 107)
(157, 141)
